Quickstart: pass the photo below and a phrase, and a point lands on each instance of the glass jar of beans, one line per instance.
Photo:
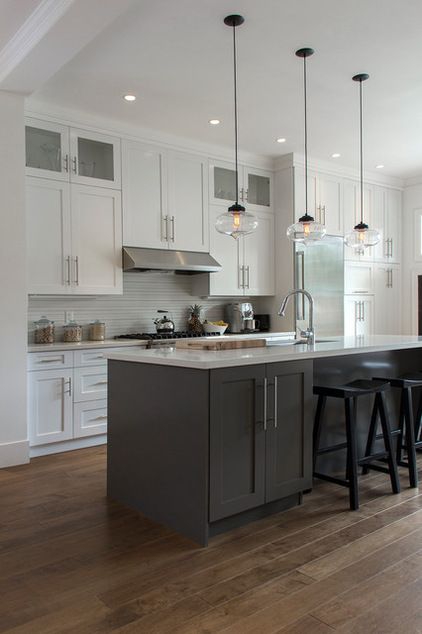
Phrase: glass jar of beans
(72, 332)
(44, 330)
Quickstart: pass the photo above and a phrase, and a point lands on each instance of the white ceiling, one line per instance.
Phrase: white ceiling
(13, 14)
(176, 56)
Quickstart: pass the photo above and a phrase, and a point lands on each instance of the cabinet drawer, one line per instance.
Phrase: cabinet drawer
(96, 356)
(90, 418)
(49, 360)
(358, 278)
(90, 383)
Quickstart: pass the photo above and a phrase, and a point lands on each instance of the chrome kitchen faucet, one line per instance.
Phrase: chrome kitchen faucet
(309, 333)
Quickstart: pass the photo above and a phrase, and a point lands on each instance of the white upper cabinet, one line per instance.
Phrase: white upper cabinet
(79, 156)
(387, 314)
(187, 202)
(164, 198)
(387, 220)
(144, 205)
(73, 238)
(358, 278)
(228, 281)
(255, 186)
(48, 236)
(95, 159)
(351, 209)
(258, 258)
(325, 202)
(47, 150)
(96, 240)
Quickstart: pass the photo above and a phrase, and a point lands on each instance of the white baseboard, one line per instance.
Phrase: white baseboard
(14, 453)
(67, 445)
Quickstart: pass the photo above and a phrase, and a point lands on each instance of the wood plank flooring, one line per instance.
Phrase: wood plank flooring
(72, 561)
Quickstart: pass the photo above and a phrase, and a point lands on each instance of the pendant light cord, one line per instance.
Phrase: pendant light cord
(361, 150)
(306, 135)
(235, 111)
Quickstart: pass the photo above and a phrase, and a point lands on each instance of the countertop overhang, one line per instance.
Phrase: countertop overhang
(209, 360)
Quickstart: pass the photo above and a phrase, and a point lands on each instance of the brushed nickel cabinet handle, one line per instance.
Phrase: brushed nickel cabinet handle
(67, 260)
(55, 360)
(66, 163)
(77, 271)
(74, 165)
(172, 228)
(265, 403)
(275, 402)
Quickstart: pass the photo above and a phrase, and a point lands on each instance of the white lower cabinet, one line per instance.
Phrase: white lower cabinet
(50, 406)
(358, 278)
(387, 318)
(358, 315)
(67, 403)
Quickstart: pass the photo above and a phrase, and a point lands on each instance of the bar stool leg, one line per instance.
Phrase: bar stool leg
(418, 424)
(319, 415)
(371, 435)
(352, 464)
(402, 420)
(388, 443)
(409, 436)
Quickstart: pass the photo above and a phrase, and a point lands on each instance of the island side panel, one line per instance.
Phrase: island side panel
(338, 370)
(157, 455)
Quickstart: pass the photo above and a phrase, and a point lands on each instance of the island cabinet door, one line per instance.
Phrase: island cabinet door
(237, 440)
(289, 429)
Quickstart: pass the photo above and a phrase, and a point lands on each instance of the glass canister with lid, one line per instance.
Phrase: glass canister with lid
(72, 332)
(44, 330)
(97, 330)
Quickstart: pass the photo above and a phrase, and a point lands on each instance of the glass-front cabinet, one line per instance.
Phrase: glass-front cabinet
(47, 150)
(62, 153)
(255, 186)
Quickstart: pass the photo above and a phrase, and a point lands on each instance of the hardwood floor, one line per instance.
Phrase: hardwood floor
(71, 561)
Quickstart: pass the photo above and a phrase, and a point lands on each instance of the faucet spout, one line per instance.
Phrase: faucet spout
(309, 333)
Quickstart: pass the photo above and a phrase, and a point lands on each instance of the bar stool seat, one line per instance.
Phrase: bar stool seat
(409, 431)
(349, 393)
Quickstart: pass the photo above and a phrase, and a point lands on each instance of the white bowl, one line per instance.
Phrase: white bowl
(213, 328)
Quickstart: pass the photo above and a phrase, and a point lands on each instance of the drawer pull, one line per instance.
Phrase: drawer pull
(100, 418)
(101, 382)
(59, 360)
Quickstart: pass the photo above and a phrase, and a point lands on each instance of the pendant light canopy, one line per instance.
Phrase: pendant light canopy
(236, 221)
(306, 229)
(361, 236)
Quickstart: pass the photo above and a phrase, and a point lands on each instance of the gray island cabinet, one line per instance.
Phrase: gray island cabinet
(203, 451)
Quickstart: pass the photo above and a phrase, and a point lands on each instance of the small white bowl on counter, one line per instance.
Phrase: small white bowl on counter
(208, 328)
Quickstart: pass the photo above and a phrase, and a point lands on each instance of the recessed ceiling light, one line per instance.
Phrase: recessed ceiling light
(214, 121)
(379, 167)
(281, 140)
(129, 97)
(335, 155)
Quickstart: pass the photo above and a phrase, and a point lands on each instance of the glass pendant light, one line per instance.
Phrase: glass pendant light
(306, 229)
(361, 236)
(236, 221)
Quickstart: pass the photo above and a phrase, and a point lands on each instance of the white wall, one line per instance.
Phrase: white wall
(13, 424)
(412, 261)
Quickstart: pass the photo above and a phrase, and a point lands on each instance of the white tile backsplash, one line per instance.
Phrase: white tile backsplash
(134, 311)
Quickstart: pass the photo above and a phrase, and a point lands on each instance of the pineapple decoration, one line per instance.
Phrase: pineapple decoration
(194, 321)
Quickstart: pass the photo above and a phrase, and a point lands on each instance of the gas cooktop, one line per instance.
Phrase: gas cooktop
(156, 336)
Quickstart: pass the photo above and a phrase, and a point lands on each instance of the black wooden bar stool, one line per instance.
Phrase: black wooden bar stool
(410, 428)
(350, 392)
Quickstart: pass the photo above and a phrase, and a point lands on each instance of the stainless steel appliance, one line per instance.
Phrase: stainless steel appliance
(240, 317)
(319, 269)
(163, 324)
(183, 262)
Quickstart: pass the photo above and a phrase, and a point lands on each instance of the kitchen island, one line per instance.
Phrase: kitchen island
(205, 441)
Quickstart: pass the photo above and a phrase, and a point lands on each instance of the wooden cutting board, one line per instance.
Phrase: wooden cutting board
(189, 344)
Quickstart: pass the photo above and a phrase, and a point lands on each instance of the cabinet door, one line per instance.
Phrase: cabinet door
(50, 406)
(187, 208)
(351, 217)
(387, 300)
(380, 218)
(89, 419)
(358, 278)
(48, 236)
(299, 195)
(289, 429)
(358, 316)
(96, 241)
(223, 184)
(330, 202)
(95, 159)
(237, 440)
(258, 257)
(258, 190)
(393, 209)
(46, 150)
(144, 204)
(226, 250)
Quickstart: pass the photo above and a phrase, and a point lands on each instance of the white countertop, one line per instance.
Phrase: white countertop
(207, 360)
(84, 345)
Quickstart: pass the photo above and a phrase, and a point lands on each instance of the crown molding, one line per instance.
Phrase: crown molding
(31, 33)
(413, 181)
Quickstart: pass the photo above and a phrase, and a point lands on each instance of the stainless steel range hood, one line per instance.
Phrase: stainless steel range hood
(187, 262)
